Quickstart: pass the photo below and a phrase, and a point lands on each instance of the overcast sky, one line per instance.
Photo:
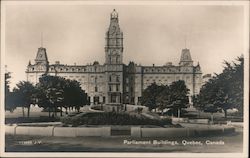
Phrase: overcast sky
(152, 34)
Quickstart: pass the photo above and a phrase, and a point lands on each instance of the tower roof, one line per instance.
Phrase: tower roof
(114, 14)
(186, 59)
(41, 55)
(114, 27)
(185, 55)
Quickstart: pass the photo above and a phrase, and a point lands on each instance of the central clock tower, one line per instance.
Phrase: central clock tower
(114, 41)
(113, 62)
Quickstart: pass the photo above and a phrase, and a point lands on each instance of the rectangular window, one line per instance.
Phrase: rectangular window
(96, 89)
(127, 80)
(103, 100)
(117, 88)
(139, 100)
(110, 88)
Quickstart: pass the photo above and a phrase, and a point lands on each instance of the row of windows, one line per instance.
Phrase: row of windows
(94, 69)
(165, 81)
(114, 78)
(162, 70)
(83, 76)
(114, 60)
(163, 77)
(114, 88)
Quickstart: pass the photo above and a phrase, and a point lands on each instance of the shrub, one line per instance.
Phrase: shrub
(112, 118)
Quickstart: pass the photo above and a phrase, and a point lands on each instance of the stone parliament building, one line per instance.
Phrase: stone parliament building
(114, 82)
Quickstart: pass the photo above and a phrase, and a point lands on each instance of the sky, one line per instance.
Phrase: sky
(153, 34)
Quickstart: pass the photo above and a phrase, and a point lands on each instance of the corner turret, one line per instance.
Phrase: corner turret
(186, 59)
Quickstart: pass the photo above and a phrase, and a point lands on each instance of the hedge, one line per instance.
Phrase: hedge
(112, 118)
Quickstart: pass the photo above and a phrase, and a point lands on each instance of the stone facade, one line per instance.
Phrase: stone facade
(115, 82)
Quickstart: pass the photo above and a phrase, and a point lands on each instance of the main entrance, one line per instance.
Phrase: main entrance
(96, 100)
(114, 97)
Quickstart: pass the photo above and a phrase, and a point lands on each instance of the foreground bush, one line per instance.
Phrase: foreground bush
(30, 120)
(112, 118)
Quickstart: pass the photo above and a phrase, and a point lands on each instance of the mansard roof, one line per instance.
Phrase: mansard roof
(185, 55)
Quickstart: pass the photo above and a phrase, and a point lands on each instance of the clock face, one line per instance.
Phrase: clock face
(113, 52)
(113, 30)
(41, 55)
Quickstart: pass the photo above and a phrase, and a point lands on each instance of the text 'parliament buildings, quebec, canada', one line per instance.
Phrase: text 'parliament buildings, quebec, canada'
(114, 82)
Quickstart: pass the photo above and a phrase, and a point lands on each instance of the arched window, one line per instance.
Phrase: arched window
(110, 60)
(117, 59)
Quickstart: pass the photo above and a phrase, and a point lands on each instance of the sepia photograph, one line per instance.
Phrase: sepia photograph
(124, 78)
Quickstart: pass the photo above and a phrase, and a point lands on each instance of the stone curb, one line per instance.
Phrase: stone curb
(136, 132)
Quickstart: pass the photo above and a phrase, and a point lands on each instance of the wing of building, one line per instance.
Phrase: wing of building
(114, 82)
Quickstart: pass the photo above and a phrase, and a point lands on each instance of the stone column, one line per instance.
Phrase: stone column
(91, 100)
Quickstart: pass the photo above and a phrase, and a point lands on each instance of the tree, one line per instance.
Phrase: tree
(160, 96)
(163, 99)
(54, 92)
(178, 96)
(7, 92)
(41, 98)
(9, 96)
(50, 92)
(238, 85)
(73, 95)
(150, 94)
(224, 91)
(24, 95)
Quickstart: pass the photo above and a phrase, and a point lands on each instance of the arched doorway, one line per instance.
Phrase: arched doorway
(96, 100)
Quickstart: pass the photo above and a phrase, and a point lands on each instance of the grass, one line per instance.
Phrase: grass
(30, 120)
